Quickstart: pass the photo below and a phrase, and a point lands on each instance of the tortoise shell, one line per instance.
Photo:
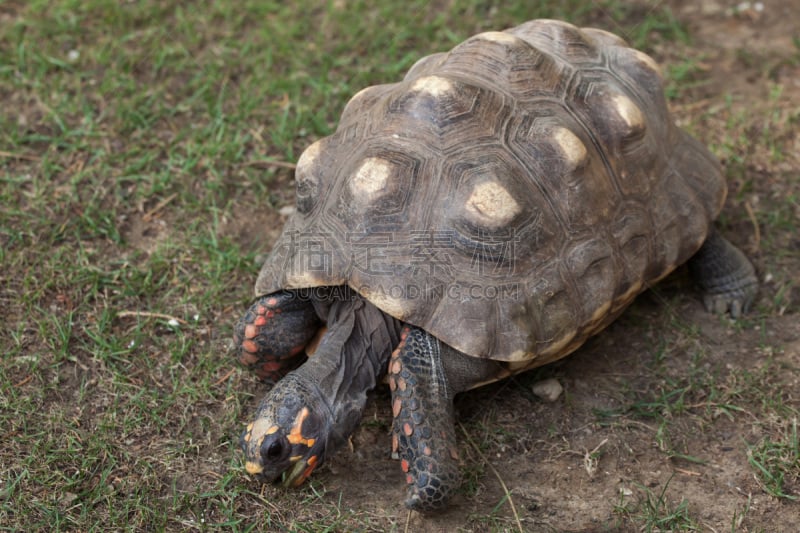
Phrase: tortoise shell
(511, 196)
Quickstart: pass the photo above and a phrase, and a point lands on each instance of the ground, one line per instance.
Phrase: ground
(145, 163)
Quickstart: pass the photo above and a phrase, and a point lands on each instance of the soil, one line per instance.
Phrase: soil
(591, 460)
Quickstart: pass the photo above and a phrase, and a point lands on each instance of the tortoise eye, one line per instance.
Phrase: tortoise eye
(274, 451)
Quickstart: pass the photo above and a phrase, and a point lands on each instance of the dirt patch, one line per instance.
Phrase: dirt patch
(619, 442)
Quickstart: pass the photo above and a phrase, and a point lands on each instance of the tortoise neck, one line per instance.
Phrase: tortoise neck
(350, 359)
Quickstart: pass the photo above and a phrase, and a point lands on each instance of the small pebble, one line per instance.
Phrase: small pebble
(548, 389)
(287, 210)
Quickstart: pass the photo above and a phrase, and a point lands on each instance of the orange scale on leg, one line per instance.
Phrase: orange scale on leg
(397, 405)
(270, 367)
(247, 358)
(250, 346)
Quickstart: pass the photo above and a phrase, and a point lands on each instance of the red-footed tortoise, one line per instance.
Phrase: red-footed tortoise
(484, 216)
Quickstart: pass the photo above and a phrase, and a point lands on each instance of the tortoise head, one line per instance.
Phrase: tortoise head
(290, 434)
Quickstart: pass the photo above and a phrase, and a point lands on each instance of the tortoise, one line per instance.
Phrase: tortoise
(484, 216)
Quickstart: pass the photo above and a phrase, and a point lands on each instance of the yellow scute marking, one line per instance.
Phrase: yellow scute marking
(308, 157)
(396, 307)
(492, 204)
(497, 37)
(371, 178)
(628, 111)
(648, 61)
(571, 146)
(433, 85)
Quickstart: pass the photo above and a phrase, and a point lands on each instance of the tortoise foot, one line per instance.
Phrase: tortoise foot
(725, 276)
(269, 339)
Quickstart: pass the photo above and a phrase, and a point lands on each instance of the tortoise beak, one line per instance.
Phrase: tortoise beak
(299, 472)
(253, 468)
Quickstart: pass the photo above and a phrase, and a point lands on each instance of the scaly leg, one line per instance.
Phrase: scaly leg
(424, 376)
(725, 275)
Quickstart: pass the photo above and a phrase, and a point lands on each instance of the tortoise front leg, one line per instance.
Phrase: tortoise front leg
(423, 432)
(269, 339)
(424, 376)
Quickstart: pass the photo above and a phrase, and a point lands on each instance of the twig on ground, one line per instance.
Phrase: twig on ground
(226, 376)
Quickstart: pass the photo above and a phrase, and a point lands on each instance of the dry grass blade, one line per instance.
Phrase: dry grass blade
(163, 203)
(14, 155)
(497, 475)
(756, 229)
(265, 163)
(148, 314)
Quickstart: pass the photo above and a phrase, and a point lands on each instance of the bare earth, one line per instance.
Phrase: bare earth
(539, 449)
(646, 409)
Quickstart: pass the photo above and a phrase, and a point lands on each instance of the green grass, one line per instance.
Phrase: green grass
(776, 461)
(657, 512)
(135, 194)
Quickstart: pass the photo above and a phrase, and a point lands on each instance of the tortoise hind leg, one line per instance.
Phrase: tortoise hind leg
(725, 276)
(424, 376)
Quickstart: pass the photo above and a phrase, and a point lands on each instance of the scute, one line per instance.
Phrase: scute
(491, 205)
(510, 196)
